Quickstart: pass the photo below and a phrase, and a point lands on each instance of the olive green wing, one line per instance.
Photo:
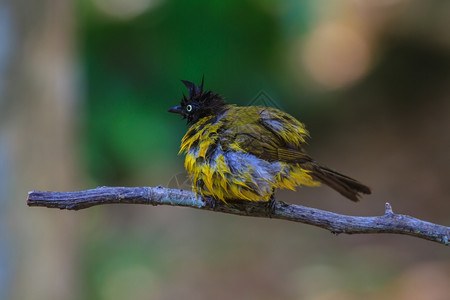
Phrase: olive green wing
(267, 133)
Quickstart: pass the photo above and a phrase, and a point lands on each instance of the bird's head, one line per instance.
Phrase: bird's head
(199, 104)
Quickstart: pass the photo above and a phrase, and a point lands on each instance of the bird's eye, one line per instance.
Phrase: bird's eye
(189, 107)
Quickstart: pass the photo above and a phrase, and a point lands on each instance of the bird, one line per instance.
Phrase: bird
(248, 152)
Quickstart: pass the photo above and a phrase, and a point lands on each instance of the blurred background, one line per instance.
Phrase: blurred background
(84, 91)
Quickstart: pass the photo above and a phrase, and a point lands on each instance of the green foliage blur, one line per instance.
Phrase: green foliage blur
(382, 124)
(133, 71)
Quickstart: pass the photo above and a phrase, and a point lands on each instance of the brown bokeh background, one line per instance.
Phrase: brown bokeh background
(84, 91)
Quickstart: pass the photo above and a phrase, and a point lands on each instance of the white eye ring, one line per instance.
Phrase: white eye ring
(189, 107)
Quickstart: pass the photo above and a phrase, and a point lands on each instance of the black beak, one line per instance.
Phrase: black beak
(176, 109)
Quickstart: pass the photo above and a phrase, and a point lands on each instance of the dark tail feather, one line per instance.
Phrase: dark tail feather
(345, 185)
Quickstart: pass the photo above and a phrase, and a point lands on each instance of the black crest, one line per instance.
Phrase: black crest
(199, 103)
(197, 95)
(193, 89)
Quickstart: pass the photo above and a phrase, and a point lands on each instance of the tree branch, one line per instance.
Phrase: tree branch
(336, 223)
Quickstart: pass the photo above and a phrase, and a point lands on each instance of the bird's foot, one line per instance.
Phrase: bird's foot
(270, 206)
(210, 201)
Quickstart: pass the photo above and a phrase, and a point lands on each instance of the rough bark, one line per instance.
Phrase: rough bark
(336, 223)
